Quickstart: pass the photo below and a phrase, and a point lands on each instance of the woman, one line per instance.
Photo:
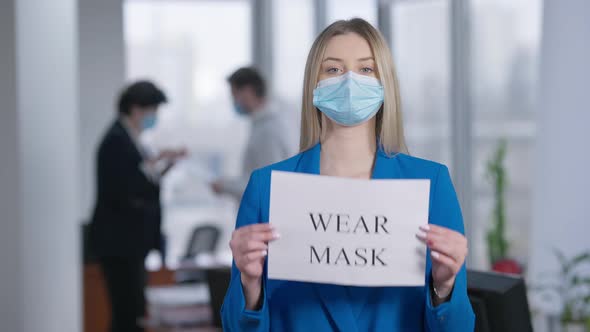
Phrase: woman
(351, 127)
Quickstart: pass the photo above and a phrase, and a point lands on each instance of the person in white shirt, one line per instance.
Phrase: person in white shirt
(269, 139)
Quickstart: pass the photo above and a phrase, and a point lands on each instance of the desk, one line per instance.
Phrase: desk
(96, 306)
(201, 312)
(218, 274)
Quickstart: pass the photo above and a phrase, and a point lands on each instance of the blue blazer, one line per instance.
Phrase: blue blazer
(301, 306)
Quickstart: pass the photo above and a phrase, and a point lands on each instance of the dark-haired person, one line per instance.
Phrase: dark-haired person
(126, 221)
(269, 137)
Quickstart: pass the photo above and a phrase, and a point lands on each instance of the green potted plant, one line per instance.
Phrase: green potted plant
(572, 287)
(496, 235)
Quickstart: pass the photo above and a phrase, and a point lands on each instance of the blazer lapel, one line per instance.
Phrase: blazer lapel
(119, 126)
(310, 161)
(384, 168)
(336, 302)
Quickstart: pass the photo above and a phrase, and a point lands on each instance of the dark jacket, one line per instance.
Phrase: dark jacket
(126, 219)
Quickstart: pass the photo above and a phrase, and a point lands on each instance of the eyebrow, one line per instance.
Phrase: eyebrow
(340, 60)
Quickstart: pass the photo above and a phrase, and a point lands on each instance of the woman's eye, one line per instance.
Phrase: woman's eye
(366, 70)
(332, 70)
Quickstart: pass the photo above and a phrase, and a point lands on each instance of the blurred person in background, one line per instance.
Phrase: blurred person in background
(126, 222)
(268, 142)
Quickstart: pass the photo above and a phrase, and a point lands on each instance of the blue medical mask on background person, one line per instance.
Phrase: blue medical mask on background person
(349, 99)
(239, 109)
(149, 121)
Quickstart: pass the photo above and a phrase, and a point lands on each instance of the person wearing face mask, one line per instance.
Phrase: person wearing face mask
(351, 127)
(125, 224)
(269, 137)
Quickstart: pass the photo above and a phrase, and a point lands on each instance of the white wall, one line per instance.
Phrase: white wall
(102, 74)
(561, 198)
(39, 192)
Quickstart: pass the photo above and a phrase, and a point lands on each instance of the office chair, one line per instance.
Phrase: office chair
(203, 240)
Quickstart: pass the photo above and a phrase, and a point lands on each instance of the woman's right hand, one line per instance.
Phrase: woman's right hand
(249, 245)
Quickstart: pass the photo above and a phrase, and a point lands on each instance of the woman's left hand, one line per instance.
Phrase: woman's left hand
(448, 250)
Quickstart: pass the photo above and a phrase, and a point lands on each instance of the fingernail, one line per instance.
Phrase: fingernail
(421, 235)
(435, 254)
(275, 235)
(264, 252)
(424, 228)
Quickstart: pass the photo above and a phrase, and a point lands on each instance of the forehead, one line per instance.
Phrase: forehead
(349, 45)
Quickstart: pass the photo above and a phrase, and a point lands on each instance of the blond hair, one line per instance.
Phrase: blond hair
(388, 130)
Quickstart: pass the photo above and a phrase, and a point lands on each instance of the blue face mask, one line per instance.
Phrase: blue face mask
(149, 121)
(349, 99)
(239, 109)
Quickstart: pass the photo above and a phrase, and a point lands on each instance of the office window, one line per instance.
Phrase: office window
(293, 35)
(189, 48)
(420, 46)
(346, 9)
(505, 50)
(504, 58)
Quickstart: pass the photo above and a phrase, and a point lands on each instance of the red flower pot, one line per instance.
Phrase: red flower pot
(507, 266)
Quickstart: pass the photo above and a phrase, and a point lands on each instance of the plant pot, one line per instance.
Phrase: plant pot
(507, 265)
(574, 327)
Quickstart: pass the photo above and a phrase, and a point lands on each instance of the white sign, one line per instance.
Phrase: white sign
(347, 231)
